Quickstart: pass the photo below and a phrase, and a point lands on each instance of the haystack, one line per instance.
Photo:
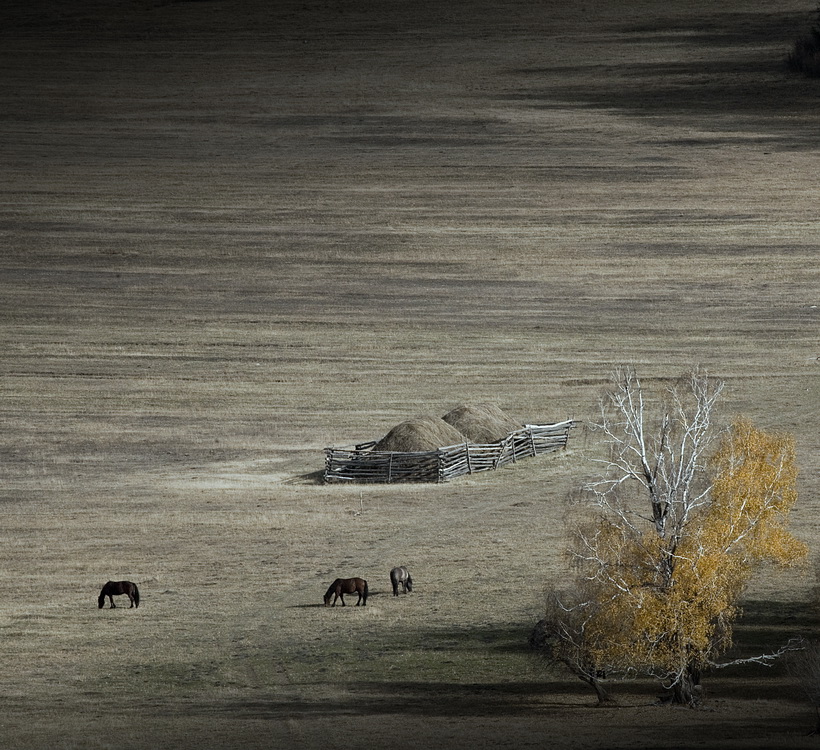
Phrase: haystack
(419, 435)
(482, 423)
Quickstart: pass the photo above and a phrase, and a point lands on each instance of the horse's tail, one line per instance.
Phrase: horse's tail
(136, 596)
(364, 596)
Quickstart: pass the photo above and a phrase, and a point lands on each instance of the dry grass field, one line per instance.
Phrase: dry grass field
(235, 232)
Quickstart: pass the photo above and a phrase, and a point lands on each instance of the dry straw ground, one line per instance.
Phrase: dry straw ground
(235, 231)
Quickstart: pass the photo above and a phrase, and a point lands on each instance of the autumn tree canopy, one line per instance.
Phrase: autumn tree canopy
(683, 513)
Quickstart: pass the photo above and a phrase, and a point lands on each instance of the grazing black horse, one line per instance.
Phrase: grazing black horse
(115, 588)
(401, 576)
(342, 586)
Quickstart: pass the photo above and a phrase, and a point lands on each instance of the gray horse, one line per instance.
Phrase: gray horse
(401, 576)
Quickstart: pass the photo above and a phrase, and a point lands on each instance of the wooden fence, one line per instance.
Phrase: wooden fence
(360, 463)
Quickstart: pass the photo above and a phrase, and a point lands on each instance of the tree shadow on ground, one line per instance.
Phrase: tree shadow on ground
(744, 708)
(423, 699)
(562, 702)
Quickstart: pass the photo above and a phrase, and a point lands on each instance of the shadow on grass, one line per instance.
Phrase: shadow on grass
(752, 89)
(503, 650)
(312, 477)
(563, 702)
(350, 603)
(420, 699)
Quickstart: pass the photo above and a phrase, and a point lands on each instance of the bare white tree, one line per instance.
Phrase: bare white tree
(678, 527)
(661, 451)
(657, 452)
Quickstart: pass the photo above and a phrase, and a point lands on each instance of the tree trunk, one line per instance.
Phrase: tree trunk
(687, 690)
(603, 694)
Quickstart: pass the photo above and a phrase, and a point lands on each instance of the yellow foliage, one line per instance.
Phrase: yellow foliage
(754, 488)
(668, 603)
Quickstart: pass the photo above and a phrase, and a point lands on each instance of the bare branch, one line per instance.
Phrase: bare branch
(767, 660)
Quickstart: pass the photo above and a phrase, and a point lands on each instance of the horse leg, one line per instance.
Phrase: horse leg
(342, 597)
(131, 598)
(111, 599)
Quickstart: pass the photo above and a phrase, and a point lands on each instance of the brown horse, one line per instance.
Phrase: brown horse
(342, 586)
(115, 588)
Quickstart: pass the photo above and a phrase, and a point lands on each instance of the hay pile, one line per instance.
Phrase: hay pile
(482, 423)
(418, 435)
(475, 423)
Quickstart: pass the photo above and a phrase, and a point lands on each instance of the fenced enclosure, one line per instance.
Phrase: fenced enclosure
(360, 463)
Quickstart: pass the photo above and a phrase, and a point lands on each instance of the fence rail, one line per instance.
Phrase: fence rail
(360, 463)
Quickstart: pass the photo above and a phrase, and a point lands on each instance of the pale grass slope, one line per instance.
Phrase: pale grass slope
(234, 233)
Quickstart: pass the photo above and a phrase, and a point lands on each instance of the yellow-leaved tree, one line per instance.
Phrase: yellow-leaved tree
(684, 513)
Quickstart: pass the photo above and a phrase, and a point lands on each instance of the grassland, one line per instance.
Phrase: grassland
(236, 232)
